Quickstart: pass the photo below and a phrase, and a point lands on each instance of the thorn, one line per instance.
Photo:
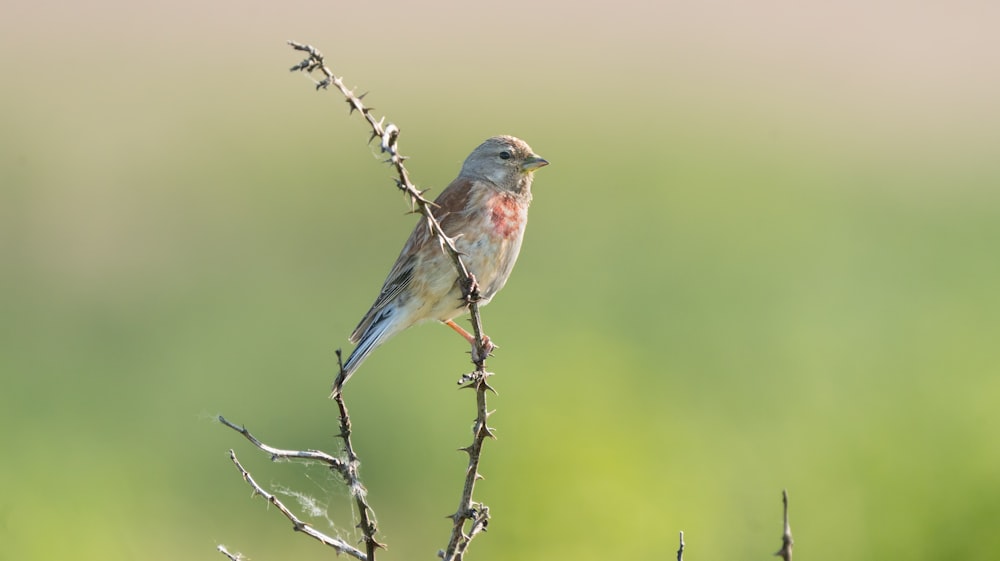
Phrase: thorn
(303, 47)
(376, 544)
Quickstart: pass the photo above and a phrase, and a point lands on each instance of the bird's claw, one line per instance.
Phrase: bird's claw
(472, 290)
(479, 354)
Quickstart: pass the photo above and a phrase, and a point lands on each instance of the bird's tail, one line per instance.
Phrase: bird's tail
(376, 333)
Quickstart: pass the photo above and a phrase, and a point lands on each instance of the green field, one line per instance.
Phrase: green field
(766, 255)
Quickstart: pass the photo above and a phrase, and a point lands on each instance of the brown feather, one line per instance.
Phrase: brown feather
(449, 205)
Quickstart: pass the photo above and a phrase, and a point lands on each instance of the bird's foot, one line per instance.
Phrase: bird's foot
(479, 354)
(472, 289)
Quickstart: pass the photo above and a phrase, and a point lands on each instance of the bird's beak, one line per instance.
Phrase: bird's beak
(533, 163)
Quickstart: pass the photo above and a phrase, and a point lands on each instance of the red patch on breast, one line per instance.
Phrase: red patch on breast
(505, 213)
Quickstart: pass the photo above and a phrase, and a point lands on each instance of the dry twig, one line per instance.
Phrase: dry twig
(335, 464)
(339, 545)
(477, 514)
(348, 471)
(786, 537)
(358, 491)
(232, 556)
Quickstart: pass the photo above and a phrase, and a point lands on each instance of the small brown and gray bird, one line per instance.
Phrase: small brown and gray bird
(484, 210)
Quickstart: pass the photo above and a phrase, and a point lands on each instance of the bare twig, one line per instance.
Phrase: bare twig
(680, 549)
(348, 471)
(232, 556)
(335, 464)
(358, 491)
(477, 514)
(340, 546)
(786, 537)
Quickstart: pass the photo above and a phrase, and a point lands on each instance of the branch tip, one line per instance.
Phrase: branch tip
(786, 536)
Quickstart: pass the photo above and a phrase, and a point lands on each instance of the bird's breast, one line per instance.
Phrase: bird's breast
(507, 215)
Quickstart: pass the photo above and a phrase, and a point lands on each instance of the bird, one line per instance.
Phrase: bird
(484, 211)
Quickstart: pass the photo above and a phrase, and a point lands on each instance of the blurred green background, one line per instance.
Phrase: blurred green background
(765, 255)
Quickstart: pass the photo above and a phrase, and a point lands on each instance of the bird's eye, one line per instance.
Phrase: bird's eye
(505, 155)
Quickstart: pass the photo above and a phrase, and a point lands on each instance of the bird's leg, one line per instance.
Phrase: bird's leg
(488, 345)
(458, 329)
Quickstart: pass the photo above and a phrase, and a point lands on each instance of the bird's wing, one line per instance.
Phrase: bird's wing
(448, 205)
(398, 280)
(452, 203)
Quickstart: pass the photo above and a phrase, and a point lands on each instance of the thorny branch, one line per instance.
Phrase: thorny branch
(358, 491)
(348, 470)
(680, 549)
(471, 518)
(335, 464)
(477, 514)
(340, 546)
